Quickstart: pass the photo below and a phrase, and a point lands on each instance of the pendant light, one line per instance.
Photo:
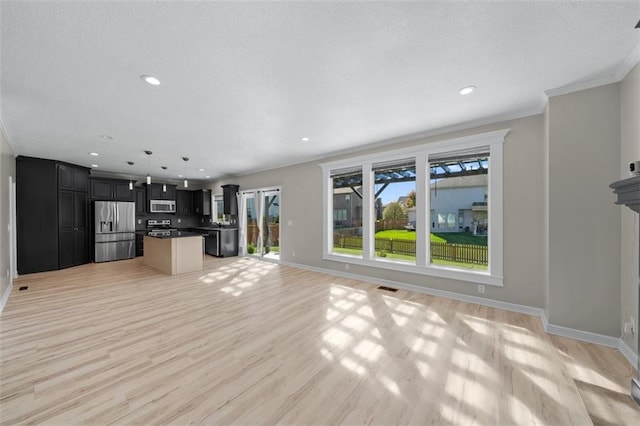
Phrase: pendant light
(164, 185)
(131, 163)
(149, 167)
(186, 183)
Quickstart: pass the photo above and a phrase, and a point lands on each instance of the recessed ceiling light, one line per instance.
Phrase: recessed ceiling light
(305, 139)
(95, 154)
(179, 175)
(207, 177)
(94, 165)
(106, 137)
(467, 90)
(202, 170)
(150, 79)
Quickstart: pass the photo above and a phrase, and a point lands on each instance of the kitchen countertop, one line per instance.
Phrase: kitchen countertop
(176, 234)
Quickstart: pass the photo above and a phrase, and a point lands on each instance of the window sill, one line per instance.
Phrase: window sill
(476, 277)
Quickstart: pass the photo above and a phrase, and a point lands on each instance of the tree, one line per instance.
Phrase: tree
(411, 200)
(394, 210)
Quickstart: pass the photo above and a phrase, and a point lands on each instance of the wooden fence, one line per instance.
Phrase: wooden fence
(464, 253)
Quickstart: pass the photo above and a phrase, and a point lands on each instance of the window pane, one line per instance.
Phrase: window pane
(459, 207)
(395, 210)
(218, 207)
(347, 212)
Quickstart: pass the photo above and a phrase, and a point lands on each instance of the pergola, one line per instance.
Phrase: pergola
(461, 165)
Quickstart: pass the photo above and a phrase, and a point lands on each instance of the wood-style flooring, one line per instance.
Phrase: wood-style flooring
(251, 342)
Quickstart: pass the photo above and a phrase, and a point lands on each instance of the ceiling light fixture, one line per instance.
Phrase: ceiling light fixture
(305, 139)
(186, 183)
(202, 170)
(149, 166)
(131, 163)
(150, 79)
(94, 166)
(164, 185)
(106, 137)
(95, 154)
(467, 90)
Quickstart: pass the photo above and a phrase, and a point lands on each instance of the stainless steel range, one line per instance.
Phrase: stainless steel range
(159, 227)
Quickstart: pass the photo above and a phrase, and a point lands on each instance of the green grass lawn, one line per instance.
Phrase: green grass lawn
(442, 237)
(411, 259)
(436, 237)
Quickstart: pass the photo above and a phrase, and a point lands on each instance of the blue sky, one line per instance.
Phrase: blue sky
(395, 190)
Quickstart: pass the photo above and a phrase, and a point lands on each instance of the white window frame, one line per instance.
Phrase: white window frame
(214, 206)
(493, 276)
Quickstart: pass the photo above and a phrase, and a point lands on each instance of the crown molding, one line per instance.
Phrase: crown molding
(631, 60)
(5, 136)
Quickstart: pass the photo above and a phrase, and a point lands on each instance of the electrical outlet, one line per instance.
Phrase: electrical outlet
(289, 222)
(293, 254)
(179, 220)
(346, 266)
(139, 221)
(480, 288)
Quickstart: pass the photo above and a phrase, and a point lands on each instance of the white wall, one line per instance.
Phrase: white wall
(7, 170)
(584, 222)
(523, 259)
(629, 151)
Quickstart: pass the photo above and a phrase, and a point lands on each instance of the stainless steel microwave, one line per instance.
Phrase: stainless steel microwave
(162, 206)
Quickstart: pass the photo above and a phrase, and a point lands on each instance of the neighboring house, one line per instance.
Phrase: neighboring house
(458, 204)
(347, 208)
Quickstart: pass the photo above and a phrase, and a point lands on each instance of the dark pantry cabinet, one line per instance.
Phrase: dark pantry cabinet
(52, 206)
(73, 230)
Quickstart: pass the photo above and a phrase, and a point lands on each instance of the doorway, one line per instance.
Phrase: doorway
(261, 223)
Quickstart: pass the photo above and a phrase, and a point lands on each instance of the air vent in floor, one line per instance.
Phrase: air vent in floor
(393, 290)
(26, 287)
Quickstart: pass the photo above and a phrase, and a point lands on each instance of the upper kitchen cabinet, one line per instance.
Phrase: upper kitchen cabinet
(161, 191)
(184, 203)
(230, 199)
(111, 190)
(202, 202)
(141, 201)
(72, 178)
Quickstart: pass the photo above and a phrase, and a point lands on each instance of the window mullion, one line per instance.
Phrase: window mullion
(368, 217)
(422, 211)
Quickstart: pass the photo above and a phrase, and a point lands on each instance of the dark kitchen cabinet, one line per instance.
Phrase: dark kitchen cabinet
(230, 199)
(160, 191)
(139, 244)
(72, 178)
(39, 185)
(73, 235)
(141, 201)
(111, 190)
(184, 203)
(202, 202)
(222, 242)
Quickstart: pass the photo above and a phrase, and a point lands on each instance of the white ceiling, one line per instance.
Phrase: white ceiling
(243, 82)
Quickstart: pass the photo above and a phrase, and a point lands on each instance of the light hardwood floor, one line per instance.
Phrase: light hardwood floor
(250, 342)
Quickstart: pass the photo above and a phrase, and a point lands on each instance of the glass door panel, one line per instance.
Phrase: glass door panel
(270, 229)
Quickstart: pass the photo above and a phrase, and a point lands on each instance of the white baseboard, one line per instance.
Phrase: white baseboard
(5, 296)
(584, 336)
(628, 353)
(513, 307)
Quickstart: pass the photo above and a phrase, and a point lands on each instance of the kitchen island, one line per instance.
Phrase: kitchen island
(175, 253)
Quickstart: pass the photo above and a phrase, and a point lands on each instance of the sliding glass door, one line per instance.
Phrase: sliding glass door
(260, 224)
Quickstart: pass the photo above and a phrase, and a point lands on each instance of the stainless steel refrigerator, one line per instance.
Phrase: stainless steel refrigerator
(115, 228)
